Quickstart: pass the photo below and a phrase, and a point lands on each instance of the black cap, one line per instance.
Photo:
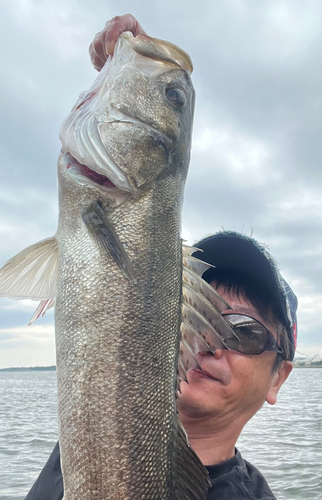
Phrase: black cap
(230, 250)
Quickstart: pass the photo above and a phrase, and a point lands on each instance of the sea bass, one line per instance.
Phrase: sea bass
(115, 269)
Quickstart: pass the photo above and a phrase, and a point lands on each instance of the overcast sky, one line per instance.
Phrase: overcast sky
(256, 153)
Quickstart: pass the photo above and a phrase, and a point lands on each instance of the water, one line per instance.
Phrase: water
(28, 423)
(283, 441)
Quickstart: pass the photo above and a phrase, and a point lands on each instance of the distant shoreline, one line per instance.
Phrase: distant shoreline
(307, 366)
(30, 369)
(53, 368)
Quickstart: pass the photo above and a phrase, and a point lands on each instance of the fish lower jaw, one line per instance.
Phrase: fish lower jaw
(86, 176)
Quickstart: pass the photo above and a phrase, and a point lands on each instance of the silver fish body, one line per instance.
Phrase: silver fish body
(117, 334)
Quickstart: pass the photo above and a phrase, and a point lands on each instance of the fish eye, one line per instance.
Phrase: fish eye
(176, 97)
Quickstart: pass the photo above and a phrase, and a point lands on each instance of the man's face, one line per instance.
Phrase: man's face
(232, 385)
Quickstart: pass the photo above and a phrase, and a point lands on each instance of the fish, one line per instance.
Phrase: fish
(131, 307)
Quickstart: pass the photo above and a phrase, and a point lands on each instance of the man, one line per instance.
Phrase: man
(236, 380)
(234, 384)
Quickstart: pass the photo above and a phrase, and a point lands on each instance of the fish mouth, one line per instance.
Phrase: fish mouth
(87, 176)
(100, 179)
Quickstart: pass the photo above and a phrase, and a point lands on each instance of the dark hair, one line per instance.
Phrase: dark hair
(243, 285)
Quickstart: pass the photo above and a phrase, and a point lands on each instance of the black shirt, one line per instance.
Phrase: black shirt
(235, 479)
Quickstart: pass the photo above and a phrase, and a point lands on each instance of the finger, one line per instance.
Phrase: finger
(116, 26)
(104, 42)
(97, 53)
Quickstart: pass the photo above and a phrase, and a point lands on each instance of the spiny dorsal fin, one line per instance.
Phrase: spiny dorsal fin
(32, 273)
(188, 355)
(206, 290)
(194, 338)
(188, 250)
(187, 358)
(202, 305)
(196, 265)
(202, 326)
(182, 372)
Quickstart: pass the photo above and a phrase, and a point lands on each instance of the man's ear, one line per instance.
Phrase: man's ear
(278, 380)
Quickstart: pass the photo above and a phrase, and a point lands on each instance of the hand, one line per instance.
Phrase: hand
(104, 42)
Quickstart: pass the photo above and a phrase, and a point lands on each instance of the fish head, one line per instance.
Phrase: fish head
(134, 126)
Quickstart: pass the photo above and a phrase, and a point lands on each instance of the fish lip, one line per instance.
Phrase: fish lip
(84, 178)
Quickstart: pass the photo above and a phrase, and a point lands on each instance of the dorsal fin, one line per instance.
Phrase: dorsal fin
(194, 338)
(202, 287)
(188, 250)
(211, 313)
(202, 326)
(207, 331)
(196, 265)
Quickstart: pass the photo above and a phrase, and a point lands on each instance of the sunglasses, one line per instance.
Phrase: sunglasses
(251, 337)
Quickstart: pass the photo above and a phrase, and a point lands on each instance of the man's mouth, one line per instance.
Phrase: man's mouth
(203, 373)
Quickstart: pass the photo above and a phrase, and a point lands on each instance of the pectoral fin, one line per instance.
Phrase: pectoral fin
(32, 273)
(41, 310)
(106, 238)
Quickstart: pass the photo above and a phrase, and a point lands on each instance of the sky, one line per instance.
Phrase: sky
(256, 150)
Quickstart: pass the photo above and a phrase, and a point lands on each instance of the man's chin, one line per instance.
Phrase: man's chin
(194, 401)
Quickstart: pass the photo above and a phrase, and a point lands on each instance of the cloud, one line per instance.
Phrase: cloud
(257, 137)
(61, 26)
(27, 346)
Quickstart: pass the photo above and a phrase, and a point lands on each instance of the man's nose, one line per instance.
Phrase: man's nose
(202, 354)
(218, 353)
